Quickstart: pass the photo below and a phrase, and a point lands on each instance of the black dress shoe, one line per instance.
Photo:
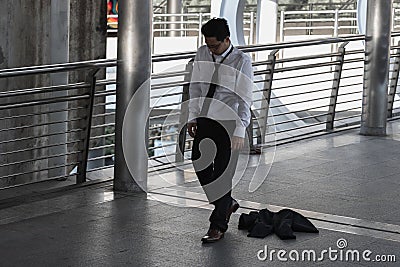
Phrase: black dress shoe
(233, 208)
(213, 235)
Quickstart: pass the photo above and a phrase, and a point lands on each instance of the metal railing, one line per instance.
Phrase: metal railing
(295, 97)
(26, 139)
(338, 22)
(327, 22)
(188, 24)
(395, 19)
(324, 22)
(307, 94)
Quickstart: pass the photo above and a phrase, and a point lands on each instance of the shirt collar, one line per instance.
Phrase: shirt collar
(225, 53)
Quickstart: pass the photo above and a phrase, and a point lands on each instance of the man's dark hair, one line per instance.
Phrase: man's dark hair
(216, 27)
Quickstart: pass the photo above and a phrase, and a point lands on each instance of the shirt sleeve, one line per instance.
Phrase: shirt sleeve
(244, 92)
(194, 91)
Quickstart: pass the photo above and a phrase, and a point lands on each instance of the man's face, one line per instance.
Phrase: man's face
(217, 47)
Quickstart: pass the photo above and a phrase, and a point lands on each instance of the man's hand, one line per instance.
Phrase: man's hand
(237, 143)
(192, 127)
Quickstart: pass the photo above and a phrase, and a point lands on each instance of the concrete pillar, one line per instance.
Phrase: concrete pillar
(216, 8)
(133, 95)
(174, 7)
(267, 20)
(88, 37)
(376, 68)
(267, 14)
(232, 11)
(24, 28)
(29, 34)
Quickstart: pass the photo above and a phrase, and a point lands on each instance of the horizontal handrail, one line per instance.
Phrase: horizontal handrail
(301, 112)
(61, 67)
(319, 12)
(102, 63)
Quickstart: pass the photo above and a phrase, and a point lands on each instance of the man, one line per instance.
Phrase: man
(219, 112)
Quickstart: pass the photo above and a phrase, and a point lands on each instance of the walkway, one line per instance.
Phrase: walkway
(347, 184)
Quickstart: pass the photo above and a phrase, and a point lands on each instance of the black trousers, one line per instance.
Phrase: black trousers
(215, 164)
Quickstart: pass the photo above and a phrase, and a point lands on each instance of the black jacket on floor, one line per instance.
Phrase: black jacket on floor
(282, 223)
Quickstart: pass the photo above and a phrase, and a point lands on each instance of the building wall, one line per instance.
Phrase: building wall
(24, 41)
(88, 37)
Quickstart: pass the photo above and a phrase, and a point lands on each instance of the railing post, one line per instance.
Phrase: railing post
(282, 25)
(334, 47)
(336, 25)
(282, 32)
(309, 24)
(251, 33)
(174, 7)
(180, 147)
(200, 25)
(394, 81)
(267, 95)
(253, 148)
(183, 26)
(91, 79)
(392, 21)
(393, 24)
(335, 88)
(152, 36)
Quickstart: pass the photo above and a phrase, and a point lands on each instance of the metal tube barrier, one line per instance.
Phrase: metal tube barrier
(41, 102)
(39, 170)
(63, 67)
(251, 32)
(394, 81)
(335, 87)
(306, 95)
(180, 148)
(39, 124)
(267, 89)
(38, 147)
(332, 22)
(34, 137)
(39, 158)
(91, 79)
(43, 90)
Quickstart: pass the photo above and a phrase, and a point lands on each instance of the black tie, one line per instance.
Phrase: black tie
(213, 85)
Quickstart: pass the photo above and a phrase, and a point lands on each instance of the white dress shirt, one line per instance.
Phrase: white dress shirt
(233, 94)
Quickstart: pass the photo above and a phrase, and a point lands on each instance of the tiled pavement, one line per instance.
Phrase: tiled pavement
(347, 184)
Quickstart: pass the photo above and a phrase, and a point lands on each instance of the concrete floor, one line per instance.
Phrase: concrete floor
(346, 184)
